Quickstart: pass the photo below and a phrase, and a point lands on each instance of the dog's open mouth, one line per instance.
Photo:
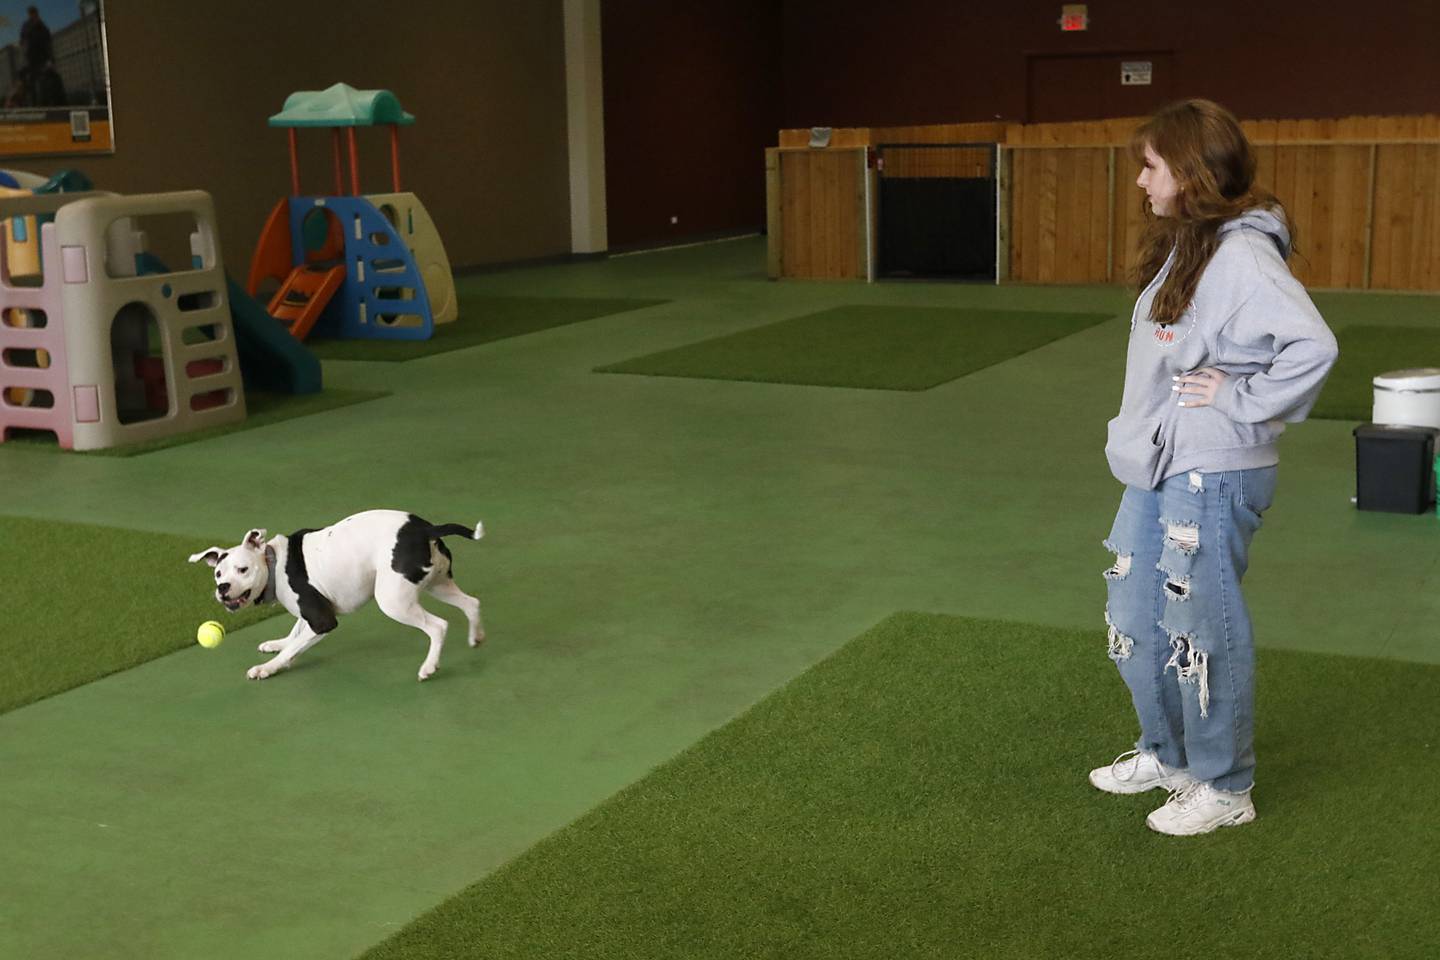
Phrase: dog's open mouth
(235, 603)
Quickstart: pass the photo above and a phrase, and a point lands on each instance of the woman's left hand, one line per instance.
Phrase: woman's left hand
(1197, 389)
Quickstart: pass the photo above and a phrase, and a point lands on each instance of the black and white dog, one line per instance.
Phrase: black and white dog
(318, 574)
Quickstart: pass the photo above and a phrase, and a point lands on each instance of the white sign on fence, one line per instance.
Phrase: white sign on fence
(1135, 73)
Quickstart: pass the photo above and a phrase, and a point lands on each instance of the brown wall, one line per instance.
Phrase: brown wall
(193, 84)
(695, 90)
(861, 63)
(692, 98)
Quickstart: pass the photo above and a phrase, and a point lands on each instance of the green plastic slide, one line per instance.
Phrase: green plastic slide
(270, 358)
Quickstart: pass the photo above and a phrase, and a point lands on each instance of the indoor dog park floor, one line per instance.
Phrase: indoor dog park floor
(661, 553)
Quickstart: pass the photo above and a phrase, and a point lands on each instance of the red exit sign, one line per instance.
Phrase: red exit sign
(1074, 16)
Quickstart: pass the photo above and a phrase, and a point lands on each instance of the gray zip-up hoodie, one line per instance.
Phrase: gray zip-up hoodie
(1251, 319)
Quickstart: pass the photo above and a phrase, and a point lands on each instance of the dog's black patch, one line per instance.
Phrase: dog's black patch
(411, 557)
(315, 610)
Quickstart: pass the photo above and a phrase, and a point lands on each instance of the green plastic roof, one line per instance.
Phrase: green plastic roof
(341, 106)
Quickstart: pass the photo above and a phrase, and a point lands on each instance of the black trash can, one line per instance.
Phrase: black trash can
(1394, 467)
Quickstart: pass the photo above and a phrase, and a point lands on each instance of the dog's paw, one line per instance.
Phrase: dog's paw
(477, 638)
(262, 671)
(427, 670)
(271, 646)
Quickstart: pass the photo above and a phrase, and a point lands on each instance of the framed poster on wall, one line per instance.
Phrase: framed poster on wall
(54, 79)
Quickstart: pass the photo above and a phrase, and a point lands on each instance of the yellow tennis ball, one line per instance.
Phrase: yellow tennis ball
(210, 634)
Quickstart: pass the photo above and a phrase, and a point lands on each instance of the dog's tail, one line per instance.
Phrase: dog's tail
(457, 530)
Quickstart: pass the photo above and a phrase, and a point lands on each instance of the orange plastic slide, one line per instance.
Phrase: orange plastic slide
(304, 294)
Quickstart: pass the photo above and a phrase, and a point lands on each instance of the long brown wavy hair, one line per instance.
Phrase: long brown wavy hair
(1212, 163)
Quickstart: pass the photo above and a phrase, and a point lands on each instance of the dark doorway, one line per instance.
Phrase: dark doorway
(937, 211)
(1096, 86)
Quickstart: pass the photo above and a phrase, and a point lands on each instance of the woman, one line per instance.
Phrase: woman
(1225, 348)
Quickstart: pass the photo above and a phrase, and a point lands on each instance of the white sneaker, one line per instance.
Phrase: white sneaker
(1136, 772)
(1200, 808)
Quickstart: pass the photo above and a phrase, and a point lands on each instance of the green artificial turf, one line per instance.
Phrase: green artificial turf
(140, 600)
(922, 794)
(874, 347)
(482, 320)
(1366, 351)
(261, 409)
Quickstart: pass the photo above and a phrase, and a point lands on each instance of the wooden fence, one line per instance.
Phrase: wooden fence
(817, 213)
(1363, 195)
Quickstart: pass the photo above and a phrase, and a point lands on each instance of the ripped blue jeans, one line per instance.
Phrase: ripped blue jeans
(1178, 627)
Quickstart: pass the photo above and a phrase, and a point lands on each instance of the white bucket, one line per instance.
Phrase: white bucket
(1409, 397)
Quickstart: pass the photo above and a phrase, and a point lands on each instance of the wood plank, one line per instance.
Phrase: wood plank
(825, 226)
(794, 170)
(1082, 214)
(862, 217)
(1383, 232)
(1034, 205)
(1402, 197)
(1065, 203)
(850, 210)
(1038, 204)
(1033, 202)
(1015, 164)
(1073, 244)
(1370, 216)
(1110, 239)
(1260, 131)
(1322, 196)
(1133, 205)
(1339, 196)
(812, 218)
(846, 217)
(1265, 167)
(1300, 205)
(937, 161)
(1358, 233)
(1359, 226)
(822, 199)
(1285, 174)
(1049, 187)
(774, 217)
(1425, 235)
(1098, 260)
(1397, 128)
(831, 236)
(1003, 199)
(1122, 241)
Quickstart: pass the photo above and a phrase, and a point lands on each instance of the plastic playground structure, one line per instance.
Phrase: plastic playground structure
(92, 348)
(102, 345)
(348, 264)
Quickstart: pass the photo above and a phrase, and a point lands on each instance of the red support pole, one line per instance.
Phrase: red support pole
(294, 166)
(395, 156)
(335, 144)
(354, 163)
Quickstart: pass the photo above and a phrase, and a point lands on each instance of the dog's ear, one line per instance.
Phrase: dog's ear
(211, 556)
(255, 539)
